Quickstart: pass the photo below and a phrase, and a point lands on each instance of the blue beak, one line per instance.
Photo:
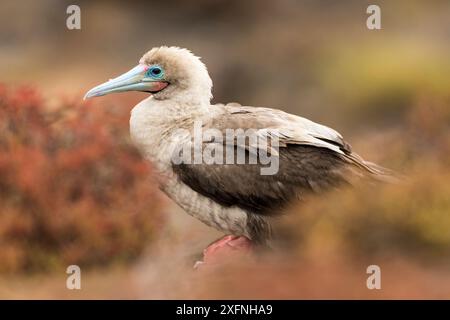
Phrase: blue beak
(134, 80)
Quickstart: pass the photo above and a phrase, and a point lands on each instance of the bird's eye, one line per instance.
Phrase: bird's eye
(155, 72)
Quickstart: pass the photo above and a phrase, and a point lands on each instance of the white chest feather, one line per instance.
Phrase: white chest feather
(152, 127)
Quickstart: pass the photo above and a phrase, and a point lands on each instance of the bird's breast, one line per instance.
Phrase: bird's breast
(155, 132)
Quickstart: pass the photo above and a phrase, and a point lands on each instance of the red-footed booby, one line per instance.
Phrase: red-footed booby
(236, 198)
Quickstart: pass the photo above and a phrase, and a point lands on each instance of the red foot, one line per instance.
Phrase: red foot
(226, 248)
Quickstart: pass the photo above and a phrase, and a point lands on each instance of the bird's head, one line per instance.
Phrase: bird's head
(166, 73)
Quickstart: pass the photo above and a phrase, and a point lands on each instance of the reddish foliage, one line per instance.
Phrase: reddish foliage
(73, 189)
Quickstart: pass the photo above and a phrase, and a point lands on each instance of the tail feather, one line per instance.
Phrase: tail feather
(374, 170)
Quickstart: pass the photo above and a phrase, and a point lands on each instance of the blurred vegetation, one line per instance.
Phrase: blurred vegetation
(383, 83)
(411, 218)
(73, 189)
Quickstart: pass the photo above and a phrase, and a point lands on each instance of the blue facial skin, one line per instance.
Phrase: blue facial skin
(156, 72)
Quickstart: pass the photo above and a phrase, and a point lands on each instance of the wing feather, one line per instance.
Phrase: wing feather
(312, 159)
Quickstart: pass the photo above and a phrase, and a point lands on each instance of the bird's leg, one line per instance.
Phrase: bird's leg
(226, 247)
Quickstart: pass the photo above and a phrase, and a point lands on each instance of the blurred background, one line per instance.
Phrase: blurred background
(73, 190)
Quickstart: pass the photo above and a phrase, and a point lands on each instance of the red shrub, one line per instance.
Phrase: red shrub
(73, 190)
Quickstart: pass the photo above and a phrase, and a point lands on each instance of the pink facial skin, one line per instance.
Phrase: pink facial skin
(159, 85)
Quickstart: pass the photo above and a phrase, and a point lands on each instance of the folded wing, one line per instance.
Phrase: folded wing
(312, 159)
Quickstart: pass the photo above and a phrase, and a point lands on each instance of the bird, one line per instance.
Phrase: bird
(235, 198)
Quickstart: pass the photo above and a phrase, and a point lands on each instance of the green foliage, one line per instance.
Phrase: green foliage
(381, 83)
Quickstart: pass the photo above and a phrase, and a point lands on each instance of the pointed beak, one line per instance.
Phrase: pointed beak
(134, 80)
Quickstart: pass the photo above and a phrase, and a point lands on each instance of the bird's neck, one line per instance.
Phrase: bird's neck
(153, 123)
(173, 110)
(188, 100)
(197, 96)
